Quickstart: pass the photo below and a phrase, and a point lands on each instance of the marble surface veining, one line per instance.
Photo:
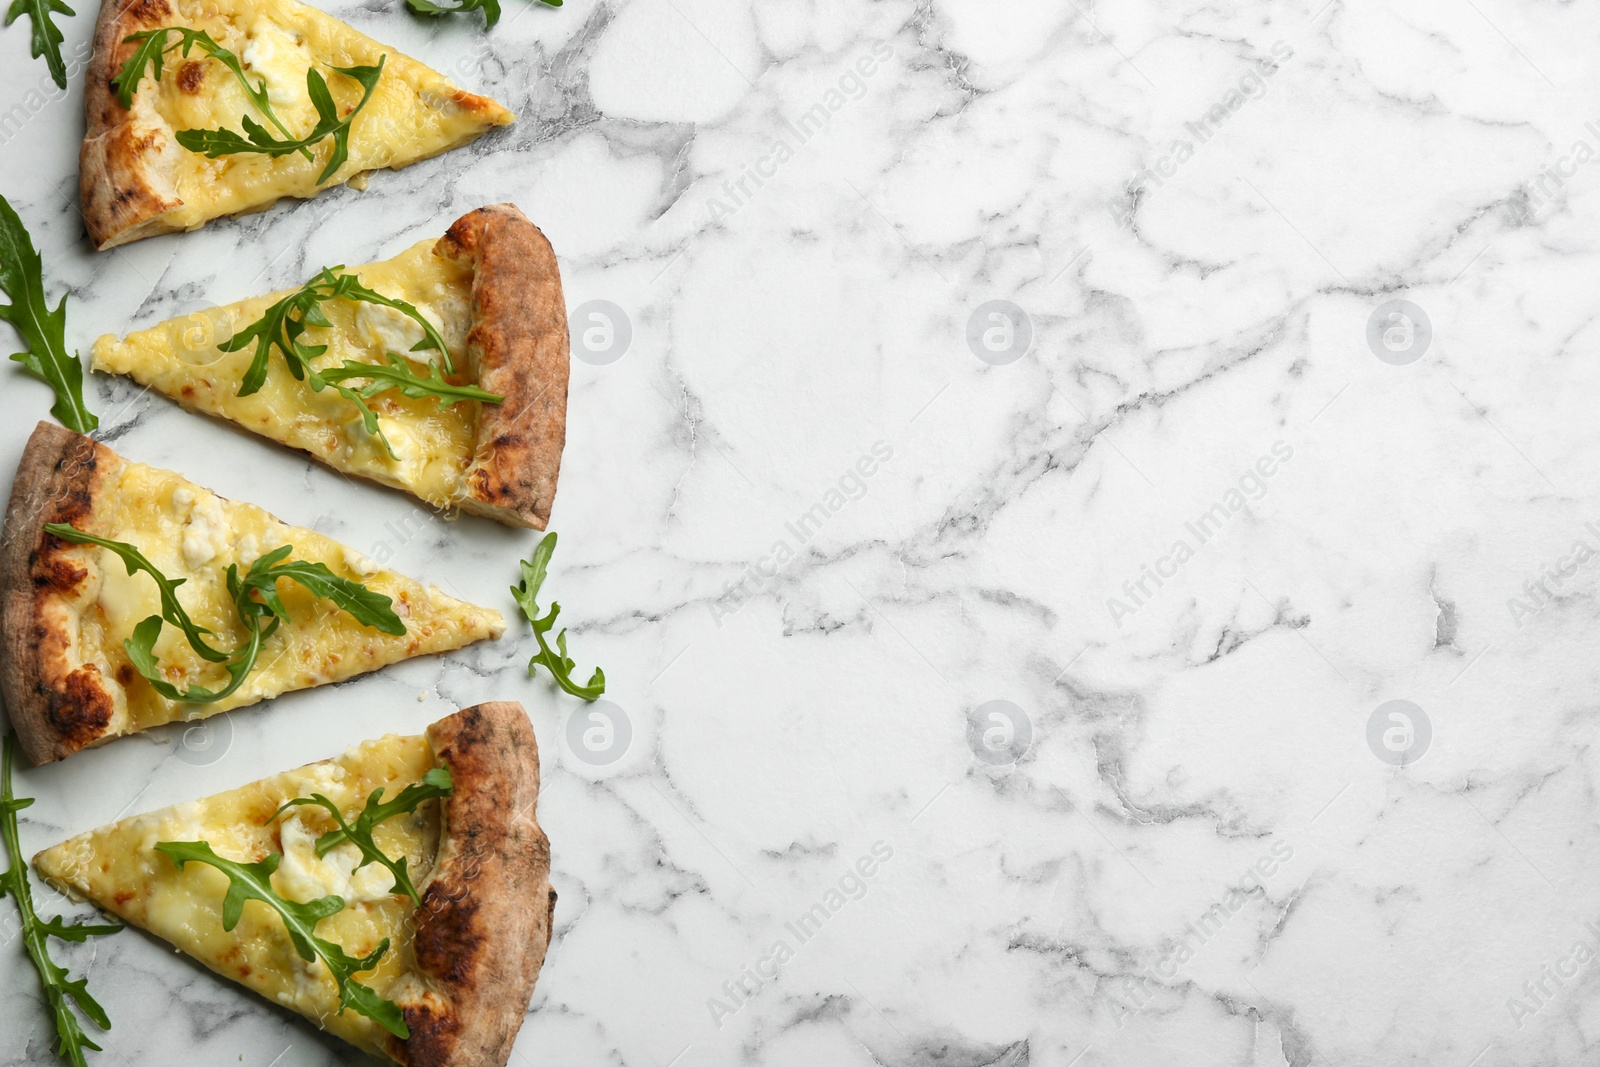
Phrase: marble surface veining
(1207, 384)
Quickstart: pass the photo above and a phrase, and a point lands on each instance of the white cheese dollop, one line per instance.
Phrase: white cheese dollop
(282, 61)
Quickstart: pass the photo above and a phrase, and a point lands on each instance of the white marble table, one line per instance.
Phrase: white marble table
(1199, 517)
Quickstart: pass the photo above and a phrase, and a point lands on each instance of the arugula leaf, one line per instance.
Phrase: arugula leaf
(46, 34)
(555, 661)
(491, 9)
(253, 881)
(60, 990)
(152, 50)
(436, 783)
(214, 144)
(260, 617)
(43, 331)
(365, 606)
(400, 375)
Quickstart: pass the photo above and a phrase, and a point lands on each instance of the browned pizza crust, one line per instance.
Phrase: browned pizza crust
(487, 906)
(56, 707)
(122, 186)
(518, 342)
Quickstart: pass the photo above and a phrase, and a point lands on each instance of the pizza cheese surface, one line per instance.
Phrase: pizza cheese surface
(414, 113)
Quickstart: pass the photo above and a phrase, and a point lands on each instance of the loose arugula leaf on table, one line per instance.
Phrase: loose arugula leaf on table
(555, 660)
(436, 783)
(214, 144)
(60, 990)
(260, 617)
(490, 8)
(152, 50)
(43, 331)
(253, 881)
(46, 34)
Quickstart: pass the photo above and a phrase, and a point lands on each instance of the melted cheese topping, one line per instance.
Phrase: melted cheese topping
(192, 534)
(433, 446)
(414, 113)
(119, 869)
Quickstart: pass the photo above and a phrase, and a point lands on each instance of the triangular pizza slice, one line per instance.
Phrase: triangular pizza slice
(310, 902)
(466, 403)
(202, 108)
(240, 607)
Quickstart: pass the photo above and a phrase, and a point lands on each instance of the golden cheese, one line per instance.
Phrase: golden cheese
(188, 532)
(414, 113)
(118, 868)
(433, 446)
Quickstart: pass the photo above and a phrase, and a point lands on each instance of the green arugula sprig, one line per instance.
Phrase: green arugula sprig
(283, 325)
(46, 34)
(43, 331)
(253, 881)
(60, 990)
(153, 49)
(400, 375)
(436, 783)
(556, 660)
(257, 138)
(255, 598)
(490, 8)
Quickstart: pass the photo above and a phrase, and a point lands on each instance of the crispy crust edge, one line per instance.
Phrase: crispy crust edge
(56, 708)
(487, 906)
(519, 343)
(124, 197)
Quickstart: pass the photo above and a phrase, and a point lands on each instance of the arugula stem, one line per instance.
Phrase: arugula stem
(43, 331)
(555, 660)
(60, 991)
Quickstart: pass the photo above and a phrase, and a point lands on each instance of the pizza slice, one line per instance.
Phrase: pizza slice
(202, 108)
(245, 606)
(466, 402)
(309, 901)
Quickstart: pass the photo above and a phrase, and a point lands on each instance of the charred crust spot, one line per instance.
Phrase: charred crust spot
(151, 11)
(125, 675)
(447, 945)
(434, 1032)
(187, 391)
(81, 711)
(53, 570)
(53, 567)
(191, 77)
